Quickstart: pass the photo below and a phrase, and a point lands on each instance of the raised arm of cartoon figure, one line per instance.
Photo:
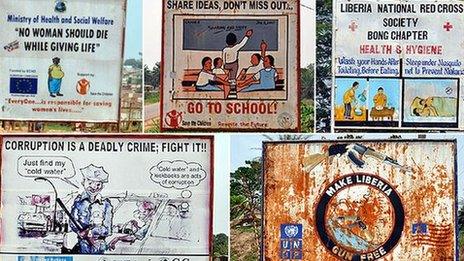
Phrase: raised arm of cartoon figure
(263, 48)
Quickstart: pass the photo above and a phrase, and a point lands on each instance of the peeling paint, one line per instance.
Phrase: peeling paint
(427, 195)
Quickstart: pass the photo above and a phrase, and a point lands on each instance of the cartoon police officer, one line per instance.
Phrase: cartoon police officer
(93, 212)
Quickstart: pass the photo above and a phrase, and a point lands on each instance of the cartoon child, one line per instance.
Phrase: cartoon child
(55, 76)
(265, 79)
(349, 98)
(380, 99)
(207, 80)
(231, 51)
(218, 63)
(93, 212)
(256, 63)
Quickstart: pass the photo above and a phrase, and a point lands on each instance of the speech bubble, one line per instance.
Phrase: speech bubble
(177, 174)
(52, 167)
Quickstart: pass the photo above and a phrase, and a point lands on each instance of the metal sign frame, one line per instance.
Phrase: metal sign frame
(335, 141)
(142, 137)
(164, 90)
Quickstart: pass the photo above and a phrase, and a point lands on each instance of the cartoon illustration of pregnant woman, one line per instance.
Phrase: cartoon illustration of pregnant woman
(55, 76)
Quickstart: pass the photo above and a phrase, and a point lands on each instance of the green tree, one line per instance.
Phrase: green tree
(323, 64)
(220, 245)
(245, 210)
(152, 76)
(307, 99)
(307, 82)
(136, 63)
(245, 195)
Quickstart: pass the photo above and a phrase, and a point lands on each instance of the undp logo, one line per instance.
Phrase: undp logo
(291, 231)
(291, 241)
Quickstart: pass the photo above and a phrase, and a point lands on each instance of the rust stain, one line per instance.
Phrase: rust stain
(427, 195)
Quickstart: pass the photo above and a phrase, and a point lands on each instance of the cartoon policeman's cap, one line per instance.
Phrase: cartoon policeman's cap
(94, 173)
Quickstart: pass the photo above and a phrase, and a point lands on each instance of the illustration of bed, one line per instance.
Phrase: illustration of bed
(433, 107)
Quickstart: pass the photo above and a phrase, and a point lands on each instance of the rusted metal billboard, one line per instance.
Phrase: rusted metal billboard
(61, 60)
(123, 196)
(230, 65)
(359, 200)
(398, 64)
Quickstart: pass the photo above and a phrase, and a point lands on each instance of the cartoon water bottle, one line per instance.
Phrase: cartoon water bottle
(362, 97)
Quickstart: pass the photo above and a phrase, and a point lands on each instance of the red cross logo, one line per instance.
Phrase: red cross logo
(448, 26)
(353, 26)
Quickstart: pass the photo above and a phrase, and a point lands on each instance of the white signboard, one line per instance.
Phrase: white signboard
(107, 195)
(398, 64)
(230, 65)
(61, 60)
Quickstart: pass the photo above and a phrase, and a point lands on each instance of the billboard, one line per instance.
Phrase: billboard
(360, 200)
(230, 65)
(397, 64)
(107, 195)
(61, 60)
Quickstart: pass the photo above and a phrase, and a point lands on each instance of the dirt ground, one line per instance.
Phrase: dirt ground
(243, 245)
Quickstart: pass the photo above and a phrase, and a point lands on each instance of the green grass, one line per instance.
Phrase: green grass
(307, 116)
(151, 98)
(57, 127)
(155, 128)
(247, 257)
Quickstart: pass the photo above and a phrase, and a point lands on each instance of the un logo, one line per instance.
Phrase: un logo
(60, 6)
(291, 231)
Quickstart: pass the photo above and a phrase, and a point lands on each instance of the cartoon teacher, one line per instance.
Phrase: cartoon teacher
(230, 53)
(55, 76)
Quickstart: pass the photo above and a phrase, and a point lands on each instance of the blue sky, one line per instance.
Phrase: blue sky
(133, 41)
(246, 147)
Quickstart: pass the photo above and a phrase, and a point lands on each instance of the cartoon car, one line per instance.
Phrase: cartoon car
(167, 225)
(32, 222)
(139, 223)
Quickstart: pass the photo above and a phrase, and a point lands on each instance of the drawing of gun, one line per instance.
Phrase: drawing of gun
(357, 151)
(82, 231)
